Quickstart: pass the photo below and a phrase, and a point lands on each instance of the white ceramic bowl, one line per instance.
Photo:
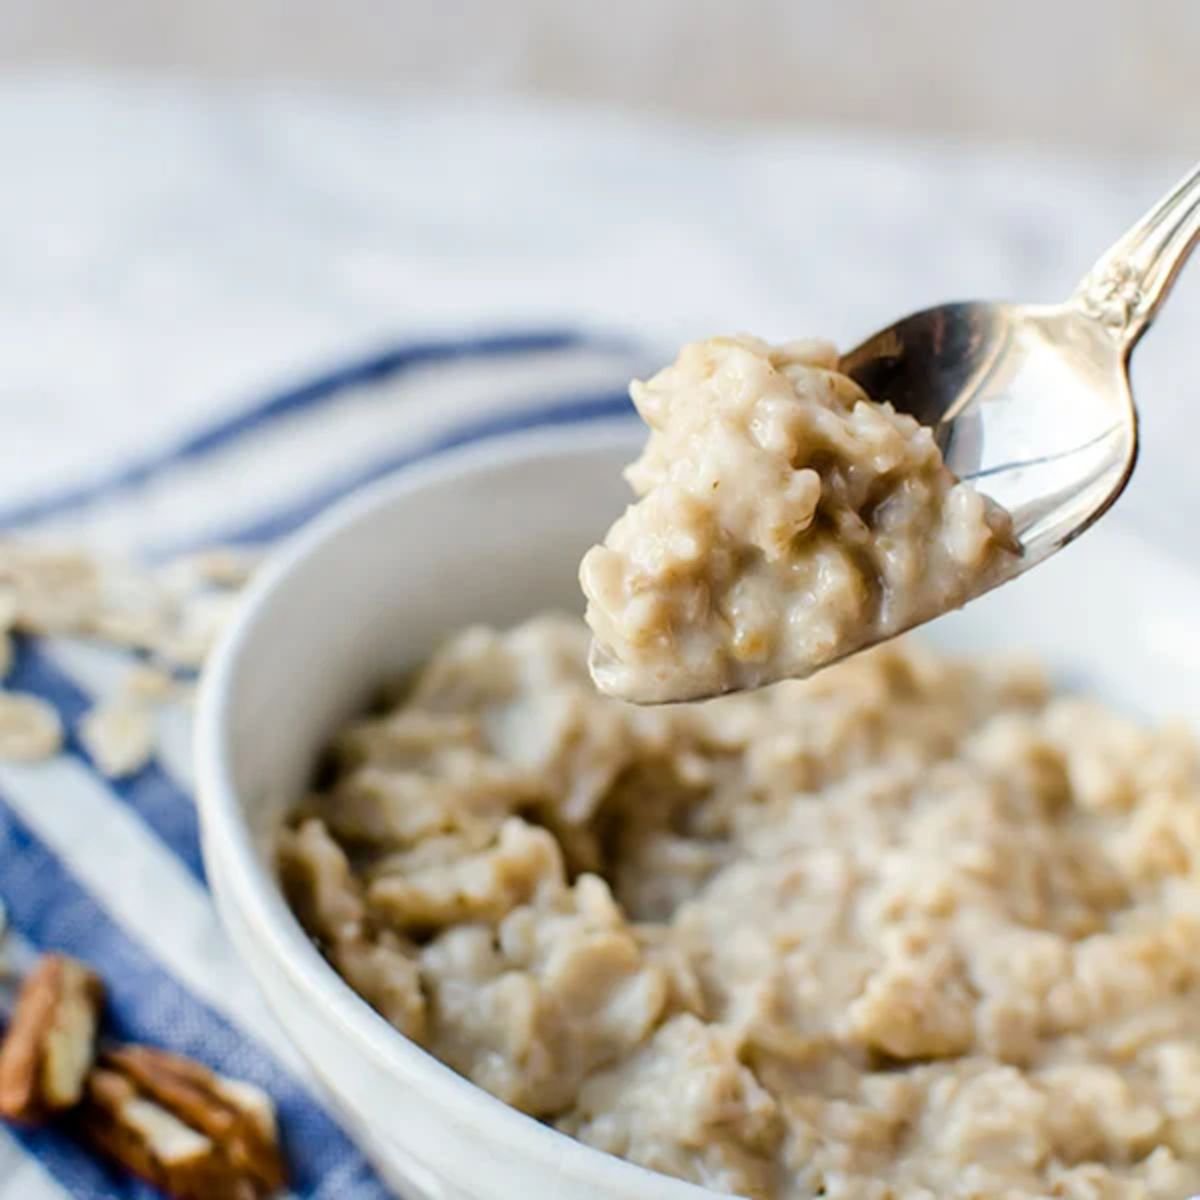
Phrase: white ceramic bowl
(494, 533)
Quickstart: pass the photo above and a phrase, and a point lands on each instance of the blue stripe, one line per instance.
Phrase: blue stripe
(151, 793)
(311, 394)
(49, 908)
(563, 411)
(76, 1169)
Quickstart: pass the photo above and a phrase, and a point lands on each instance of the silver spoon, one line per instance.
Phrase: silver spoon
(1032, 403)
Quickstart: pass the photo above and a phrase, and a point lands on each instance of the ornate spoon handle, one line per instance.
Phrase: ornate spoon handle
(1125, 289)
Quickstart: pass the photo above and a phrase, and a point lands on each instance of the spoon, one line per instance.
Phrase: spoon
(1032, 403)
(1029, 403)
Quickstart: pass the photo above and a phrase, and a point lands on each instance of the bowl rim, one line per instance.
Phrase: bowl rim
(241, 881)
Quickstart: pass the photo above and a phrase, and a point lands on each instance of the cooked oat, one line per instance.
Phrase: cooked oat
(29, 728)
(912, 928)
(784, 521)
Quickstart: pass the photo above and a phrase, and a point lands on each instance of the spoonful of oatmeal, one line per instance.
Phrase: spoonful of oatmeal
(796, 506)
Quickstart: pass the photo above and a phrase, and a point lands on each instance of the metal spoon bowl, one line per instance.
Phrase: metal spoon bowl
(1032, 403)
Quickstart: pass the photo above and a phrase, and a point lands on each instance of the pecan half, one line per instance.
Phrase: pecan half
(189, 1131)
(51, 1041)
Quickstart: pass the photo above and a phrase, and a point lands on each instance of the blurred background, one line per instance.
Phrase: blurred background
(202, 202)
(1103, 74)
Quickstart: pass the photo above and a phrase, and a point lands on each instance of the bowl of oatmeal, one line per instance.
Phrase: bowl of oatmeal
(924, 924)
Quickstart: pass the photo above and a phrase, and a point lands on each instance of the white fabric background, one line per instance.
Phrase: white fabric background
(169, 252)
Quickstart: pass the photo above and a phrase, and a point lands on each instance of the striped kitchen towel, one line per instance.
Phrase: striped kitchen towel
(111, 871)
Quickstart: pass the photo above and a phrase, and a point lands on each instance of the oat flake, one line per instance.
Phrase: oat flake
(222, 567)
(29, 728)
(150, 684)
(201, 621)
(119, 737)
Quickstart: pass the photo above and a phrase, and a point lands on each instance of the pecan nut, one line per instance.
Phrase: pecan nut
(192, 1133)
(51, 1041)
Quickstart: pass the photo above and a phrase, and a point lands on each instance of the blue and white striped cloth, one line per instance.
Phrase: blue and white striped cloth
(112, 871)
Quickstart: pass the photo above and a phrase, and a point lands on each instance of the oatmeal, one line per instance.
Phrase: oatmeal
(784, 521)
(912, 927)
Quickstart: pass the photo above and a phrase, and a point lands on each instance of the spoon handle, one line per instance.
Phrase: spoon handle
(1125, 289)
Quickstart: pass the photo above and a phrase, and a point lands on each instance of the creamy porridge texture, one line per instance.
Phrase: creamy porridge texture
(911, 928)
(785, 520)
